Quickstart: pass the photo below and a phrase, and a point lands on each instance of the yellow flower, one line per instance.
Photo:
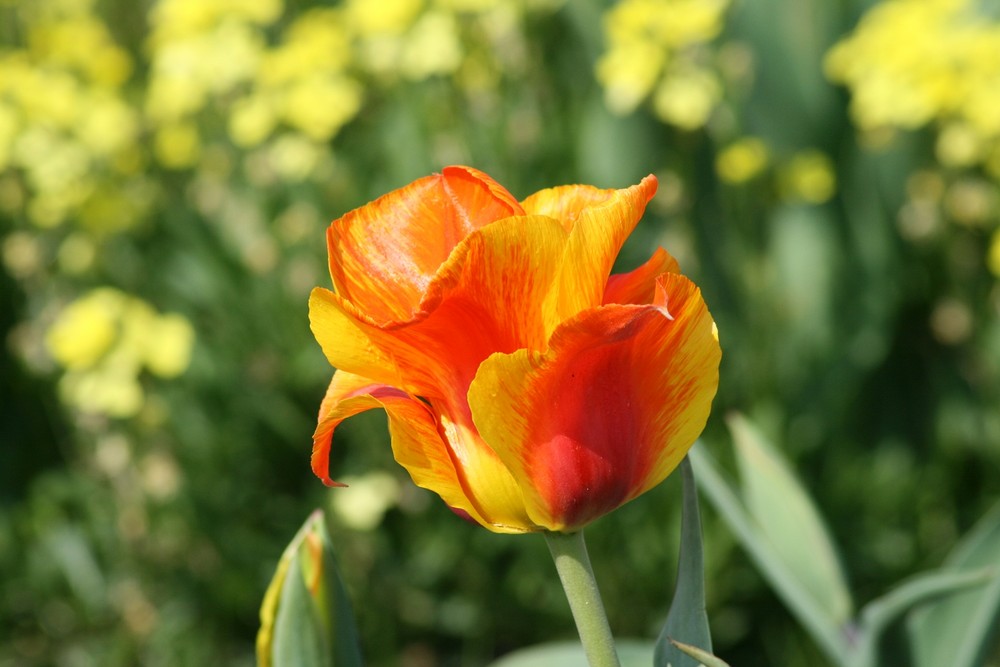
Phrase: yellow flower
(628, 73)
(105, 339)
(392, 17)
(959, 145)
(251, 121)
(741, 160)
(809, 176)
(85, 330)
(993, 258)
(686, 99)
(652, 46)
(432, 47)
(177, 146)
(168, 346)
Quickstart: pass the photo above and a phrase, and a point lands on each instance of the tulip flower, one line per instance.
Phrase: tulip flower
(524, 384)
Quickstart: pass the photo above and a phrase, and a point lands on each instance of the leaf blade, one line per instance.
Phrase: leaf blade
(687, 619)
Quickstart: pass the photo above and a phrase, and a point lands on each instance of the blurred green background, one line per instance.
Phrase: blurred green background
(829, 174)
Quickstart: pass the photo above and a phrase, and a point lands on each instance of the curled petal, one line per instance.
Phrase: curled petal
(384, 254)
(608, 411)
(639, 285)
(445, 457)
(598, 222)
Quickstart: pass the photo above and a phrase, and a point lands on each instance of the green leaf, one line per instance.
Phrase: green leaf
(298, 635)
(631, 653)
(306, 616)
(687, 620)
(788, 519)
(797, 598)
(338, 612)
(961, 630)
(702, 658)
(882, 613)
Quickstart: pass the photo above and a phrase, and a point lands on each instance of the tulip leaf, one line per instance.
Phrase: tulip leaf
(306, 616)
(687, 620)
(631, 653)
(701, 658)
(788, 519)
(881, 614)
(961, 630)
(298, 637)
(816, 620)
(339, 614)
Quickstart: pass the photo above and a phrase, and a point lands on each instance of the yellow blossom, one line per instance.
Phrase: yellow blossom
(432, 47)
(105, 339)
(809, 176)
(365, 499)
(383, 17)
(177, 146)
(85, 330)
(993, 258)
(686, 99)
(251, 121)
(168, 347)
(9, 127)
(653, 49)
(628, 73)
(741, 160)
(320, 104)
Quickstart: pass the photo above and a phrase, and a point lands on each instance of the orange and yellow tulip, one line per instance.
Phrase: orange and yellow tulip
(523, 383)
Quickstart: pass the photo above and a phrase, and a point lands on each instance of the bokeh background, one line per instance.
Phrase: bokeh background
(829, 174)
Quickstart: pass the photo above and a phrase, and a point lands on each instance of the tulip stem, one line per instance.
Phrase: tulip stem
(569, 551)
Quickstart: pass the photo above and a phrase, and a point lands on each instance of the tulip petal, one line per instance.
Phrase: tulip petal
(487, 297)
(384, 254)
(639, 285)
(608, 411)
(598, 222)
(432, 448)
(345, 342)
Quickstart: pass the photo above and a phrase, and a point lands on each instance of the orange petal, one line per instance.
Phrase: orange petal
(439, 455)
(598, 222)
(639, 285)
(345, 341)
(487, 297)
(608, 411)
(384, 254)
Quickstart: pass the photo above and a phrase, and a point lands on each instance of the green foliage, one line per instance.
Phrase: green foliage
(306, 616)
(687, 620)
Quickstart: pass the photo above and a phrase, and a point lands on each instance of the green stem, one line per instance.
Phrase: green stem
(569, 551)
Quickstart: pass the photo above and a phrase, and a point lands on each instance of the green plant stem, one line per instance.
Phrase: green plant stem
(569, 551)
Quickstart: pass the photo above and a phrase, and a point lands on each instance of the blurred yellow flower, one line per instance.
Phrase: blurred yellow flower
(293, 157)
(653, 48)
(686, 99)
(168, 345)
(809, 176)
(251, 121)
(392, 17)
(432, 47)
(177, 146)
(742, 160)
(629, 72)
(105, 339)
(86, 329)
(993, 258)
(363, 501)
(958, 145)
(320, 104)
(912, 62)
